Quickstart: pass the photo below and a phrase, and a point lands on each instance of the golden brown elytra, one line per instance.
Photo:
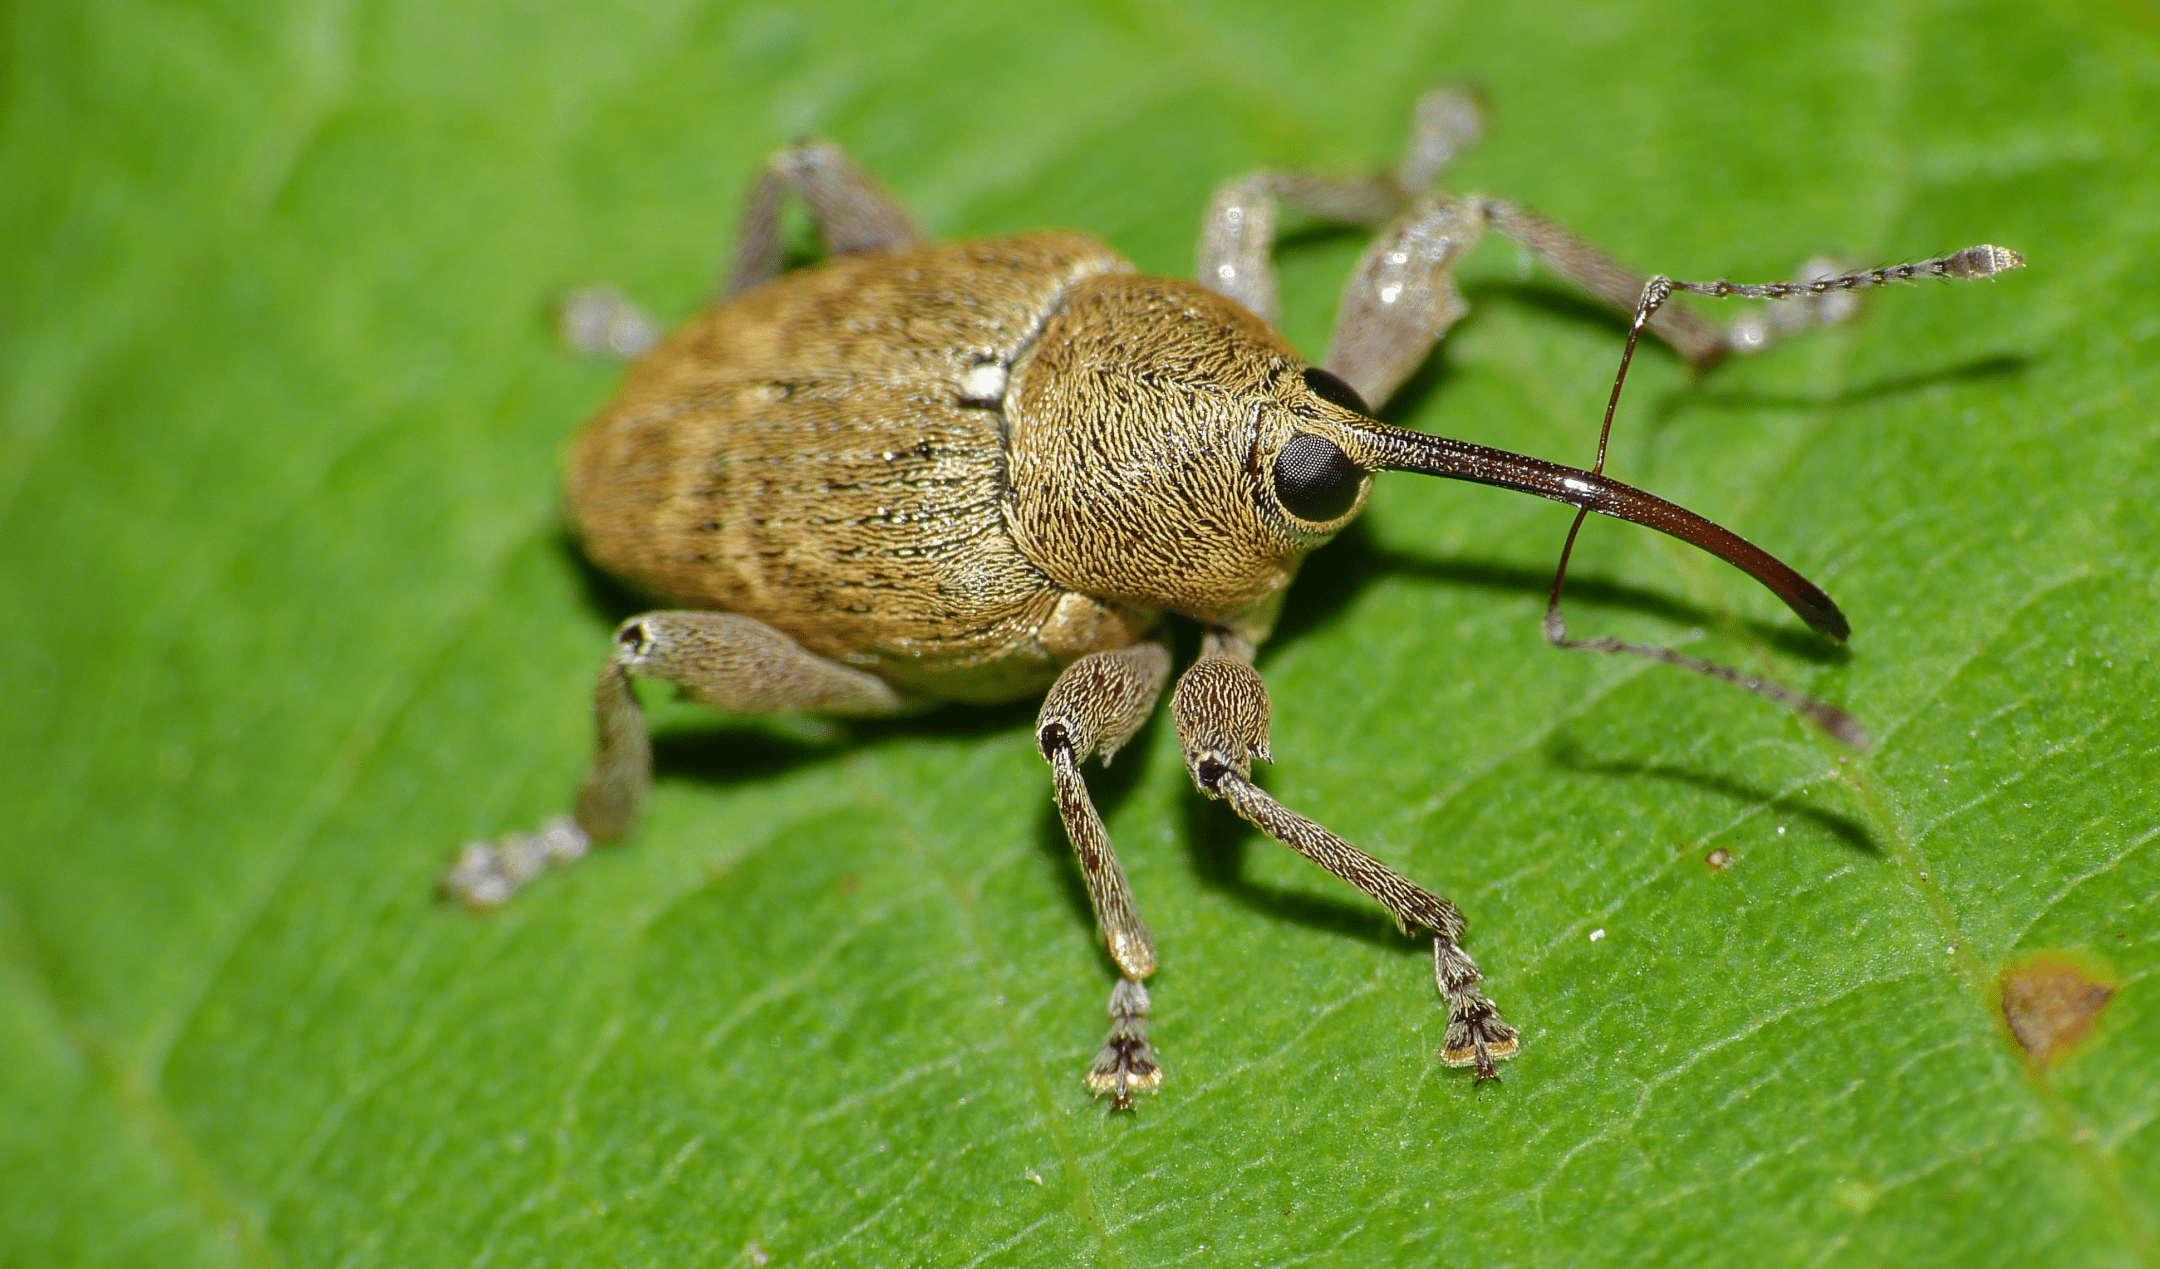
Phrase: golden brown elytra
(970, 472)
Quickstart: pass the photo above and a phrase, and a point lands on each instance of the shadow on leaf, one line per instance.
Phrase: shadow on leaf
(1356, 560)
(1219, 841)
(1977, 370)
(1566, 753)
(740, 748)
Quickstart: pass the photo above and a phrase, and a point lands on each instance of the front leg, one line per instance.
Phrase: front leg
(1221, 711)
(1095, 706)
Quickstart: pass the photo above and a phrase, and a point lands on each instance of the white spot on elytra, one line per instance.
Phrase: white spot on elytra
(985, 382)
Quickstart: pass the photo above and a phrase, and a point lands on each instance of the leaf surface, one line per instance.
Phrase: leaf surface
(287, 613)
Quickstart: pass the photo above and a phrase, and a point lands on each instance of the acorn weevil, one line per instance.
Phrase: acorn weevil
(916, 473)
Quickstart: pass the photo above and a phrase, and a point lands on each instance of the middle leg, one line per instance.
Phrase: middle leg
(1237, 237)
(851, 210)
(1400, 299)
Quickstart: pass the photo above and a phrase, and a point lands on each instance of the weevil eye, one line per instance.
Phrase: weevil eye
(1333, 390)
(1315, 480)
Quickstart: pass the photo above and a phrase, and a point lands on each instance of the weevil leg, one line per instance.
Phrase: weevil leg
(1399, 300)
(600, 321)
(851, 210)
(1095, 706)
(730, 662)
(1444, 123)
(1237, 236)
(1693, 336)
(1221, 711)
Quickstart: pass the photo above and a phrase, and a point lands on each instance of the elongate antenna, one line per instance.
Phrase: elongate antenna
(1397, 449)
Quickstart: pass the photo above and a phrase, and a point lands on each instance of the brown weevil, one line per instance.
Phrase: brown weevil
(916, 473)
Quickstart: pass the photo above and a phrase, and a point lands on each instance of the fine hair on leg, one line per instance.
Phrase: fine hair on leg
(1399, 299)
(1237, 234)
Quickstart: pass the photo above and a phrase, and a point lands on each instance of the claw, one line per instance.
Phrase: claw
(1476, 1033)
(1126, 1064)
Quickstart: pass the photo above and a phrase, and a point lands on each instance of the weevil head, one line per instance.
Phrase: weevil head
(1167, 449)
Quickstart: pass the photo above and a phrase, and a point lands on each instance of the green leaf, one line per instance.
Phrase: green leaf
(286, 614)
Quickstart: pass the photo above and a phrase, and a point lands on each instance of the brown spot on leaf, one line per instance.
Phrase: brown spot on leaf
(1719, 859)
(849, 883)
(2050, 1001)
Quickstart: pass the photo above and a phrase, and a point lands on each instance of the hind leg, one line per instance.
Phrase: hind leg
(730, 662)
(851, 210)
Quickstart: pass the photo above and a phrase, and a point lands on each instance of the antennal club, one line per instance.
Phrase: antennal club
(1973, 262)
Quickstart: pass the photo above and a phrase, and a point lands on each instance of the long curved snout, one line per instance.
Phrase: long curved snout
(1387, 448)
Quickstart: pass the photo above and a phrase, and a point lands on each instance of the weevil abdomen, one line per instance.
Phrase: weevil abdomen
(825, 453)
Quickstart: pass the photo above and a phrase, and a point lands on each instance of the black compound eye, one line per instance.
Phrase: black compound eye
(1334, 391)
(1315, 480)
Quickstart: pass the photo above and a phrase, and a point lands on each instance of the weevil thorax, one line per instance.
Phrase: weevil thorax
(1144, 432)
